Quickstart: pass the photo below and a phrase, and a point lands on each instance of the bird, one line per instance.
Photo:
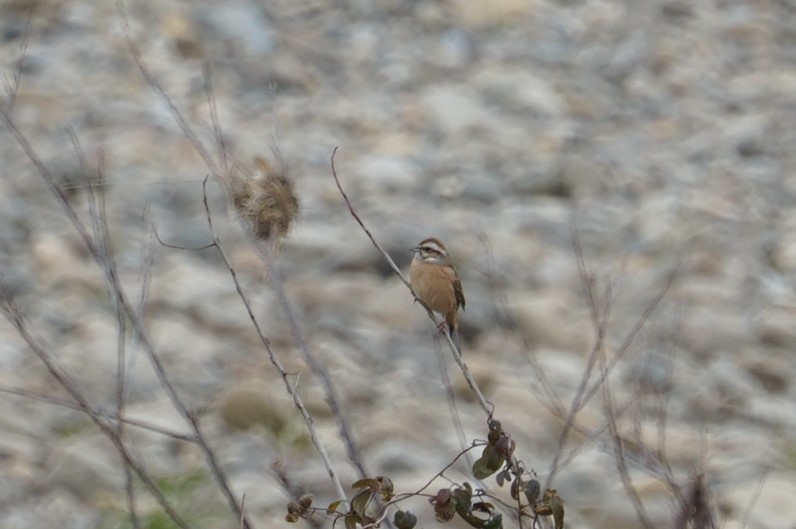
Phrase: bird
(436, 283)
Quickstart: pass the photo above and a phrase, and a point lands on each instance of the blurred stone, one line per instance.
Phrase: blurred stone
(775, 328)
(774, 508)
(775, 377)
(86, 465)
(498, 13)
(519, 91)
(455, 49)
(552, 320)
(239, 24)
(783, 253)
(246, 405)
(51, 509)
(482, 189)
(455, 109)
(484, 375)
(388, 174)
(710, 332)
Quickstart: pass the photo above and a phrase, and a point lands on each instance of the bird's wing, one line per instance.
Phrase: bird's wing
(457, 287)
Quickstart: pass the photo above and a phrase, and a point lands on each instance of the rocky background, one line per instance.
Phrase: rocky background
(663, 130)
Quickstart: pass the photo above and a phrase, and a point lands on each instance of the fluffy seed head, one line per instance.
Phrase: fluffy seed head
(265, 200)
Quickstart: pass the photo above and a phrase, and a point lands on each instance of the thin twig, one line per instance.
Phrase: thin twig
(242, 509)
(383, 509)
(451, 398)
(105, 414)
(619, 455)
(211, 104)
(178, 247)
(554, 405)
(590, 435)
(147, 264)
(12, 87)
(747, 514)
(373, 240)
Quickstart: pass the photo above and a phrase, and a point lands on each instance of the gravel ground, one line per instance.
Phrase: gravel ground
(662, 130)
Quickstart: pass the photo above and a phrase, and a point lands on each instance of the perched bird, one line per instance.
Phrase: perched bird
(436, 283)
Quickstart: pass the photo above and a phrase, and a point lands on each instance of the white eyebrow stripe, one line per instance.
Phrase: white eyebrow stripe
(432, 246)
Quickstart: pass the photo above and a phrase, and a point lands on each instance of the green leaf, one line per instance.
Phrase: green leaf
(481, 468)
(386, 487)
(557, 507)
(351, 522)
(360, 501)
(464, 495)
(489, 463)
(494, 461)
(505, 446)
(404, 520)
(463, 498)
(370, 483)
(332, 508)
(496, 522)
(444, 505)
(532, 490)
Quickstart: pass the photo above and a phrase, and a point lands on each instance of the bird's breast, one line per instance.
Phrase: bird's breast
(432, 286)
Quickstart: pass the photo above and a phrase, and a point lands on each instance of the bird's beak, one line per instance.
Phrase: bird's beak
(415, 249)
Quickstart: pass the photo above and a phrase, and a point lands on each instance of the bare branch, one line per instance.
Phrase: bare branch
(221, 144)
(291, 388)
(451, 398)
(177, 247)
(485, 405)
(373, 240)
(587, 283)
(105, 414)
(753, 500)
(12, 86)
(600, 323)
(631, 336)
(695, 507)
(554, 405)
(99, 223)
(619, 455)
(318, 368)
(118, 292)
(152, 81)
(14, 315)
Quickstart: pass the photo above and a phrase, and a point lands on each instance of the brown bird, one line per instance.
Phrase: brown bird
(436, 283)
